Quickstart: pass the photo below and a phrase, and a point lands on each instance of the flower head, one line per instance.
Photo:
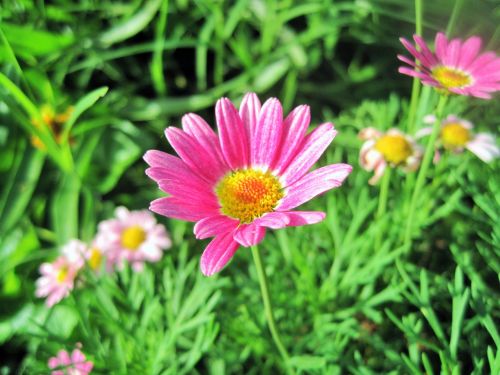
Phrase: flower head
(58, 277)
(74, 364)
(249, 177)
(392, 148)
(134, 236)
(457, 134)
(456, 67)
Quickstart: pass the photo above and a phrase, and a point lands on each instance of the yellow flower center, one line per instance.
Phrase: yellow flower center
(247, 194)
(454, 135)
(394, 147)
(61, 275)
(95, 258)
(451, 78)
(133, 237)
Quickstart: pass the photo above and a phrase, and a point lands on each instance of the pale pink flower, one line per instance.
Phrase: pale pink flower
(58, 277)
(456, 66)
(74, 364)
(248, 178)
(134, 236)
(457, 134)
(392, 148)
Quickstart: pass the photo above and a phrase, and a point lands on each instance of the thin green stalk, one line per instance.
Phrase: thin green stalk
(454, 16)
(268, 308)
(415, 89)
(418, 17)
(382, 202)
(429, 152)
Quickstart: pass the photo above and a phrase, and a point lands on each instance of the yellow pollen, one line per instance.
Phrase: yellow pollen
(394, 147)
(95, 258)
(454, 135)
(451, 78)
(247, 194)
(133, 237)
(61, 275)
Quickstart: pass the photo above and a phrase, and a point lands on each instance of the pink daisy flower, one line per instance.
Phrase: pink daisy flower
(248, 178)
(74, 364)
(134, 236)
(457, 134)
(392, 148)
(456, 67)
(58, 277)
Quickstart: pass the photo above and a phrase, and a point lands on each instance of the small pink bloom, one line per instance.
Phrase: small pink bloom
(134, 236)
(58, 277)
(458, 134)
(248, 178)
(66, 364)
(392, 148)
(455, 67)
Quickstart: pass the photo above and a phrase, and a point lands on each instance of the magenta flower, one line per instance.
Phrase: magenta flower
(74, 364)
(456, 66)
(458, 134)
(392, 148)
(58, 278)
(248, 178)
(133, 236)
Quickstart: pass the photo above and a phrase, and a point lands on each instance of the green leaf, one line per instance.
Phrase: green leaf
(18, 189)
(26, 40)
(131, 26)
(81, 106)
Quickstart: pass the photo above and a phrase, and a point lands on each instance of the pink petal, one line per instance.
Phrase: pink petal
(416, 54)
(314, 183)
(184, 210)
(189, 191)
(453, 53)
(192, 154)
(214, 225)
(408, 61)
(195, 126)
(218, 252)
(249, 234)
(77, 356)
(309, 152)
(273, 220)
(412, 73)
(64, 358)
(469, 52)
(294, 129)
(483, 59)
(379, 172)
(278, 220)
(299, 218)
(267, 134)
(441, 46)
(369, 134)
(430, 59)
(249, 113)
(484, 150)
(180, 176)
(233, 136)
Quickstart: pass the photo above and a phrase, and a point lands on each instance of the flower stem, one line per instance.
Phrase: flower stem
(429, 152)
(268, 308)
(415, 89)
(382, 202)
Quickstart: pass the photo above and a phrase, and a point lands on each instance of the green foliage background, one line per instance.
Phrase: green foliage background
(130, 69)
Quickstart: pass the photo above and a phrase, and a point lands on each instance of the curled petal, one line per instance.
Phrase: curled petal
(218, 253)
(249, 234)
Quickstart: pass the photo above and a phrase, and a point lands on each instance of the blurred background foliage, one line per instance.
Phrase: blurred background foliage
(106, 77)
